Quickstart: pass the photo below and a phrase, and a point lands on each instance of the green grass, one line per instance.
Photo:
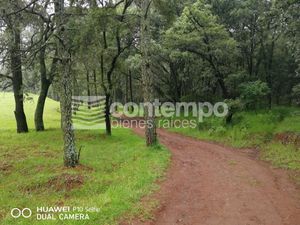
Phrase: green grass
(255, 129)
(7, 119)
(115, 172)
(284, 156)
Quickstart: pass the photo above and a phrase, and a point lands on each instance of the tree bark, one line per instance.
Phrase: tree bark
(17, 79)
(107, 114)
(45, 84)
(71, 158)
(130, 86)
(126, 88)
(174, 82)
(88, 87)
(223, 88)
(95, 82)
(39, 111)
(70, 154)
(147, 76)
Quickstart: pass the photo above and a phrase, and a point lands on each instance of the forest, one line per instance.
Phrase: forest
(244, 54)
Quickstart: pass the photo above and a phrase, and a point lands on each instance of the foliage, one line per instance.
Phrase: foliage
(200, 49)
(234, 106)
(289, 17)
(197, 31)
(252, 93)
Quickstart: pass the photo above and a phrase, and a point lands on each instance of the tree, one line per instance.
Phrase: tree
(46, 79)
(147, 76)
(107, 33)
(71, 158)
(45, 50)
(197, 31)
(252, 93)
(10, 15)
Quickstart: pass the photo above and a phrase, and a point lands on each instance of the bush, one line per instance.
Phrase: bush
(219, 131)
(234, 106)
(253, 92)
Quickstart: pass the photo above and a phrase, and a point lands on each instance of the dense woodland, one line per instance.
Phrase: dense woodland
(246, 52)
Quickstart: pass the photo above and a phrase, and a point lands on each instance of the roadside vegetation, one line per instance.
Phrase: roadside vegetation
(274, 132)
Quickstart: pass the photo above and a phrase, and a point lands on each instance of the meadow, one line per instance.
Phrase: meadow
(114, 173)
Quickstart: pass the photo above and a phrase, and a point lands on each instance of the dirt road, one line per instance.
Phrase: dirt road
(208, 184)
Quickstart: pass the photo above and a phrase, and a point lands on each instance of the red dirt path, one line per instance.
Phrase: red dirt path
(208, 184)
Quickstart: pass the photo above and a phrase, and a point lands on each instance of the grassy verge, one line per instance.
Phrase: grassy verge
(114, 174)
(256, 130)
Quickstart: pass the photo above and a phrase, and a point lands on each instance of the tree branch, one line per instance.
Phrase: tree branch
(5, 76)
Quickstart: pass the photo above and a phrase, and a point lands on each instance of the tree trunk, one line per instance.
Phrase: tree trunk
(130, 86)
(71, 157)
(88, 87)
(16, 68)
(126, 89)
(223, 88)
(269, 73)
(70, 154)
(45, 84)
(228, 118)
(174, 82)
(39, 111)
(130, 91)
(95, 82)
(147, 76)
(107, 114)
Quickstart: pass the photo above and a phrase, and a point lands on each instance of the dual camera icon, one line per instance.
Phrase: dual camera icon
(17, 213)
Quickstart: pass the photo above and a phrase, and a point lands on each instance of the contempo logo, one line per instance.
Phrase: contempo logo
(17, 213)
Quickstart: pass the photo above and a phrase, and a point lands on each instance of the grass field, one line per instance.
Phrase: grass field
(255, 129)
(114, 174)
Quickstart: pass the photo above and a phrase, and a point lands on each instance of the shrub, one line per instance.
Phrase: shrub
(253, 92)
(234, 106)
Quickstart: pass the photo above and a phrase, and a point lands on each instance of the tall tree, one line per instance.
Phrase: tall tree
(17, 77)
(11, 17)
(46, 51)
(46, 79)
(107, 33)
(147, 76)
(71, 158)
